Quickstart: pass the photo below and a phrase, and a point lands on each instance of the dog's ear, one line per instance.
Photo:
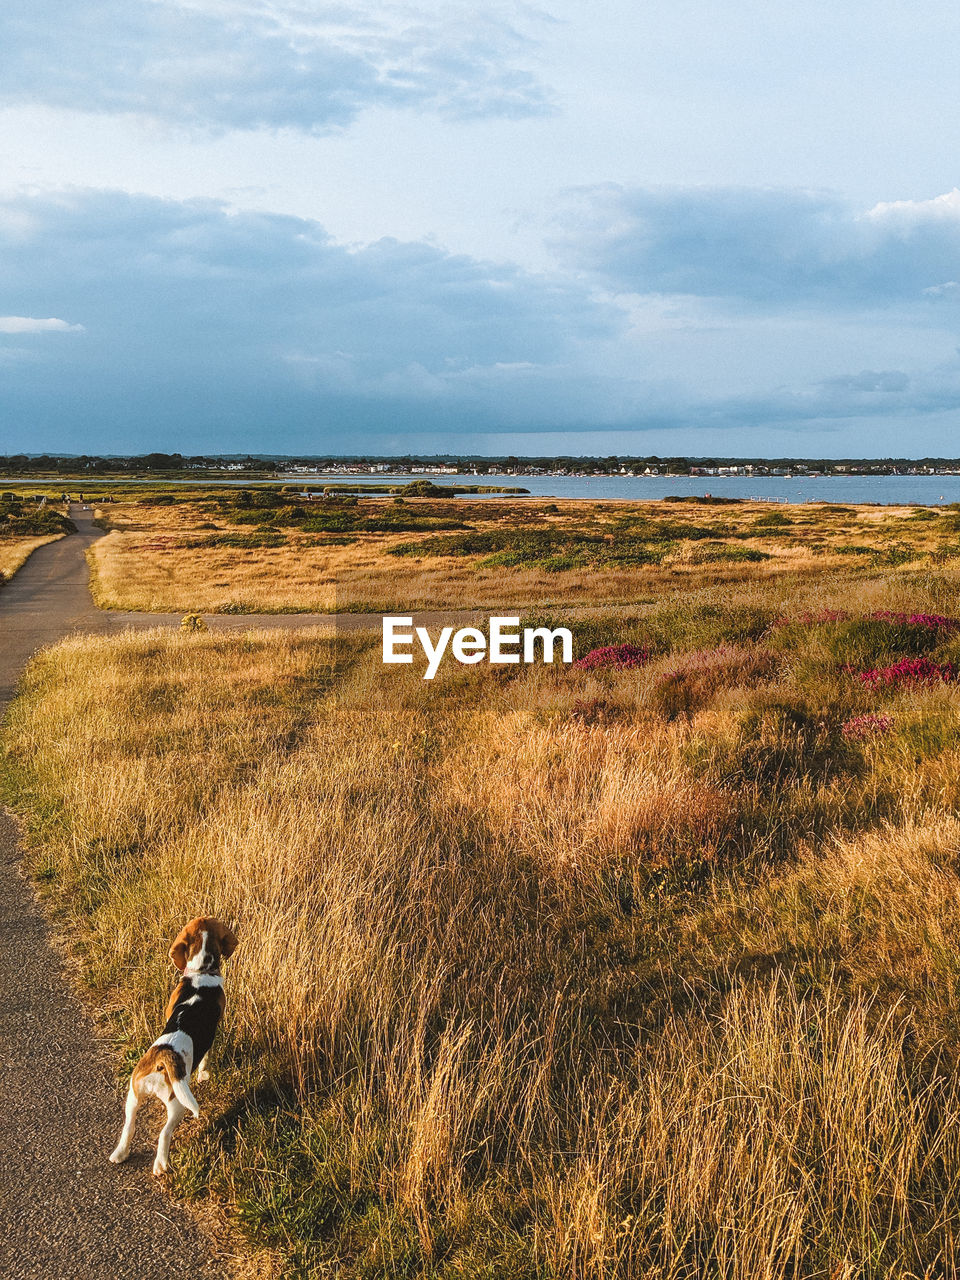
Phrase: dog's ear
(228, 942)
(178, 952)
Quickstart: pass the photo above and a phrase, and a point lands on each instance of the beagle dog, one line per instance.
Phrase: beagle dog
(193, 1013)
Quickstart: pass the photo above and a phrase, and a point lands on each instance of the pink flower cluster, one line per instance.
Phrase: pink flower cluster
(931, 621)
(906, 672)
(614, 657)
(870, 725)
(700, 659)
(716, 662)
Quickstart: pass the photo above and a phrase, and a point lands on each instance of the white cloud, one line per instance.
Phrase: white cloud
(32, 324)
(942, 208)
(244, 66)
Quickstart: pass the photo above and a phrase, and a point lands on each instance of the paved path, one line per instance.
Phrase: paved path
(66, 1213)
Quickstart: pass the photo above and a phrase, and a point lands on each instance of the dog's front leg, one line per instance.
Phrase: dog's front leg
(202, 1073)
(175, 1113)
(122, 1150)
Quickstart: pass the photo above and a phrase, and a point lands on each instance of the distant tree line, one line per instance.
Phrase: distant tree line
(96, 464)
(274, 464)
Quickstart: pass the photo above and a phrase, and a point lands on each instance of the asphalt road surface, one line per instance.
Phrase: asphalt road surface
(66, 1213)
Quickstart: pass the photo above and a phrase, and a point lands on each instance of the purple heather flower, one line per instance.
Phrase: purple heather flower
(614, 657)
(906, 672)
(871, 725)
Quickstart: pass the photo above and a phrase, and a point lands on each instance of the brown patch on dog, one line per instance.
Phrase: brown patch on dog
(162, 1059)
(174, 997)
(186, 944)
(227, 940)
(189, 941)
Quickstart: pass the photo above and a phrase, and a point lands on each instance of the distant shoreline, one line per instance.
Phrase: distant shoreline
(892, 490)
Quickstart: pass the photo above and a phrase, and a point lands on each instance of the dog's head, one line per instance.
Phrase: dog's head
(201, 945)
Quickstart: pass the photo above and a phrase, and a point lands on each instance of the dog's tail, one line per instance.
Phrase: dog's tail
(183, 1091)
(175, 1072)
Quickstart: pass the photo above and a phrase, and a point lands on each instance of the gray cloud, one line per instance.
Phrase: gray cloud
(868, 397)
(201, 319)
(131, 323)
(236, 65)
(770, 248)
(886, 381)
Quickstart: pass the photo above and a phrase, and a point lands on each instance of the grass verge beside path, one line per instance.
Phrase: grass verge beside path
(14, 553)
(642, 972)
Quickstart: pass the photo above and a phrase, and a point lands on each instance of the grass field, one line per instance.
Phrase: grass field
(547, 972)
(261, 551)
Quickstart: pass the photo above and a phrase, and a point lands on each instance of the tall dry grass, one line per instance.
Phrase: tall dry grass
(525, 991)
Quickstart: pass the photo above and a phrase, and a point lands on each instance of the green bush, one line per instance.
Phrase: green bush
(26, 518)
(857, 642)
(774, 745)
(713, 553)
(240, 540)
(427, 489)
(551, 549)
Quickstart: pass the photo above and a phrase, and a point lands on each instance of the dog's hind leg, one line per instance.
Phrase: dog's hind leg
(202, 1073)
(175, 1113)
(122, 1149)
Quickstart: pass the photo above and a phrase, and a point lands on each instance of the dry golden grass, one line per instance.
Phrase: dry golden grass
(544, 973)
(134, 570)
(165, 558)
(14, 552)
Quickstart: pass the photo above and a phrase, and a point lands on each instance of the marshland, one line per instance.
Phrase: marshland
(265, 549)
(644, 966)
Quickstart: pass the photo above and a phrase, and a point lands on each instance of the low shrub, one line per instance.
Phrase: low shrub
(685, 624)
(909, 671)
(713, 553)
(595, 711)
(811, 618)
(614, 657)
(783, 743)
(28, 518)
(865, 641)
(243, 541)
(772, 520)
(928, 621)
(553, 550)
(871, 725)
(692, 683)
(427, 489)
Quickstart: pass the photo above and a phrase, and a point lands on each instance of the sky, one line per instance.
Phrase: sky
(635, 227)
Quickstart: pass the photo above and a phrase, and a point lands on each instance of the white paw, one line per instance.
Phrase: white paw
(202, 1076)
(160, 1167)
(119, 1154)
